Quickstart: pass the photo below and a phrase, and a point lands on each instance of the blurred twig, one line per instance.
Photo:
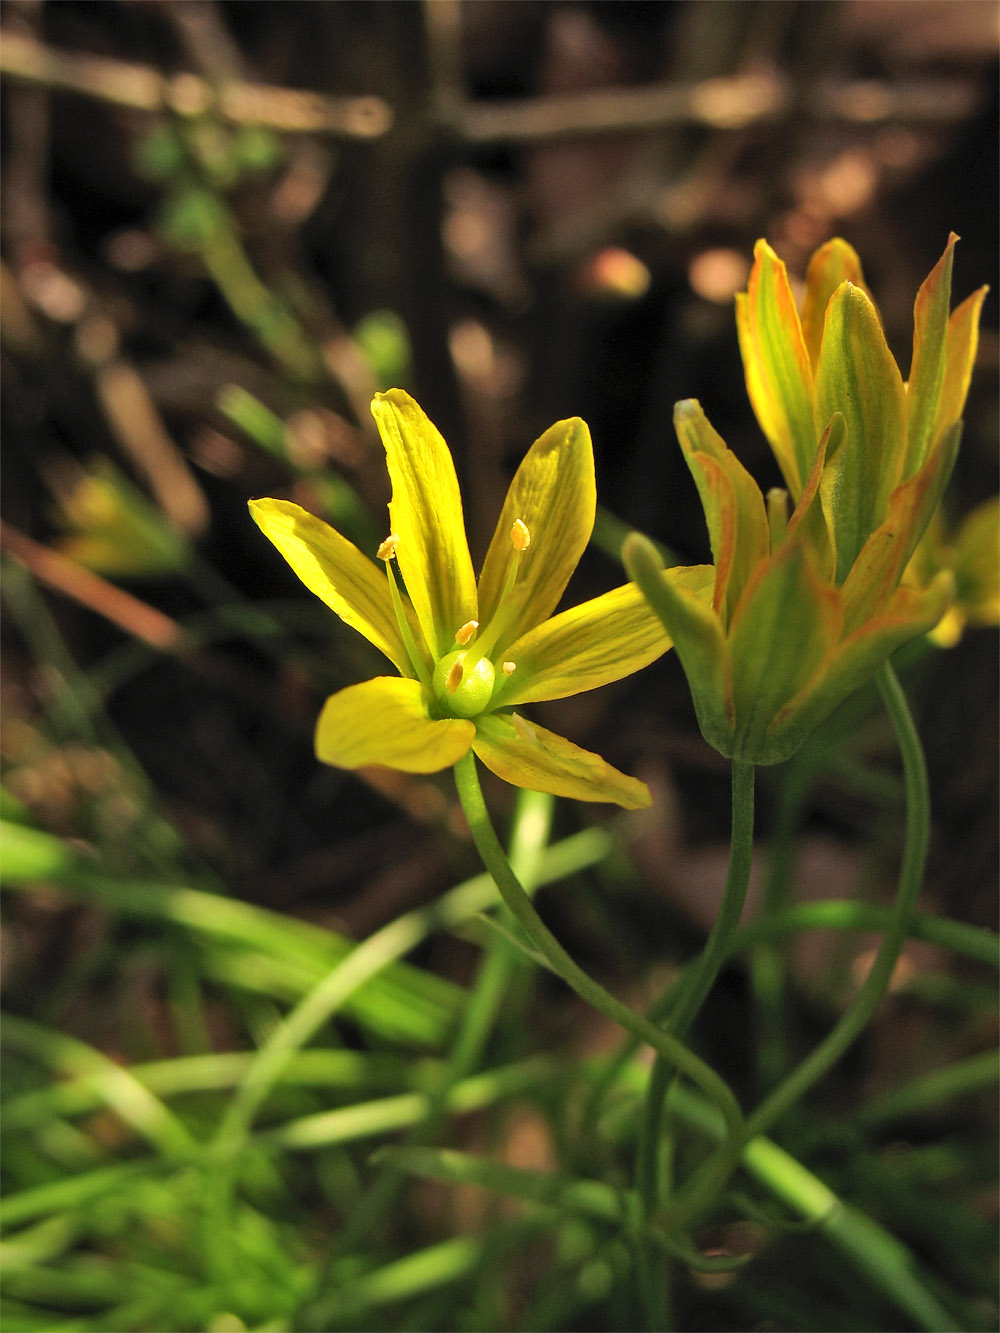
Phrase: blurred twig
(290, 111)
(718, 103)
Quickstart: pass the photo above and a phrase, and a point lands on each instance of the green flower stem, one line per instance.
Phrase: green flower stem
(519, 904)
(704, 1185)
(695, 986)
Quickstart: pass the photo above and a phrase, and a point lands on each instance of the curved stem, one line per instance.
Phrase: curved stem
(695, 986)
(520, 906)
(705, 1183)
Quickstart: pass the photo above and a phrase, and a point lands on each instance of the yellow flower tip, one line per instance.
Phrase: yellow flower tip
(387, 549)
(520, 536)
(463, 635)
(454, 678)
(509, 668)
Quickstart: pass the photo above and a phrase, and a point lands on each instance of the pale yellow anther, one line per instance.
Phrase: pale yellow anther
(520, 536)
(523, 727)
(454, 678)
(387, 549)
(463, 635)
(509, 668)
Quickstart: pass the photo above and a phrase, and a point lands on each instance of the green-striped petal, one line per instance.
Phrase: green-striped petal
(388, 721)
(336, 571)
(960, 356)
(927, 369)
(777, 366)
(698, 637)
(858, 377)
(833, 263)
(785, 626)
(554, 493)
(527, 755)
(595, 643)
(426, 514)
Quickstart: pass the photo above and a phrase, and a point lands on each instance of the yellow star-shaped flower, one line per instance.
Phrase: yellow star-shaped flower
(472, 653)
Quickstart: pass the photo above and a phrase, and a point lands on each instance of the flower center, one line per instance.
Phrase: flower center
(464, 680)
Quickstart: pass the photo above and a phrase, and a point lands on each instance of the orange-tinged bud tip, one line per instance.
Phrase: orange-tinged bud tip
(509, 668)
(520, 536)
(454, 678)
(387, 549)
(463, 635)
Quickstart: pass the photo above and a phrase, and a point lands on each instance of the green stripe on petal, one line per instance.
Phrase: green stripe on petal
(698, 637)
(858, 377)
(910, 612)
(388, 721)
(785, 627)
(336, 571)
(527, 755)
(833, 263)
(593, 644)
(426, 514)
(554, 493)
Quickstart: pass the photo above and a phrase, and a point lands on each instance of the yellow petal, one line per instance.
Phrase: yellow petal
(927, 368)
(387, 721)
(833, 263)
(527, 755)
(858, 377)
(426, 514)
(336, 571)
(555, 496)
(733, 504)
(593, 644)
(960, 356)
(777, 366)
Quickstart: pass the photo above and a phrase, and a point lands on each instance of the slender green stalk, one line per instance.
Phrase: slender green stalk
(705, 1184)
(695, 986)
(520, 906)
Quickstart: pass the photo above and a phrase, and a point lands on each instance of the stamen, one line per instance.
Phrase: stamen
(523, 727)
(387, 549)
(520, 536)
(454, 678)
(463, 635)
(509, 668)
(777, 515)
(417, 660)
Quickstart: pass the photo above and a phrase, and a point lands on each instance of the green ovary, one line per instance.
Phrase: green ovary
(472, 692)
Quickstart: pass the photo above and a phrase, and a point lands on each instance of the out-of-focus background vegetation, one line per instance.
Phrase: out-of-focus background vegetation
(224, 226)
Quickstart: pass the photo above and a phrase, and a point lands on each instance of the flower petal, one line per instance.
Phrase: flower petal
(858, 377)
(527, 755)
(733, 504)
(698, 637)
(387, 721)
(960, 355)
(593, 644)
(336, 571)
(554, 493)
(426, 514)
(833, 263)
(777, 366)
(911, 611)
(786, 625)
(885, 555)
(930, 329)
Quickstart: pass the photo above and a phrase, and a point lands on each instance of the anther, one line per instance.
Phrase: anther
(454, 678)
(509, 668)
(463, 635)
(387, 549)
(520, 536)
(523, 727)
